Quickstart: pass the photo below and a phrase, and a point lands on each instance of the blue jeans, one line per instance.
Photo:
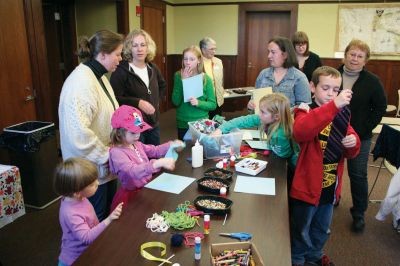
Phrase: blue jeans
(309, 229)
(357, 169)
(102, 199)
(151, 136)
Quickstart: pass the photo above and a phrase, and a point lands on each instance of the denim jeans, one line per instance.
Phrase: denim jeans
(151, 136)
(102, 199)
(309, 229)
(357, 169)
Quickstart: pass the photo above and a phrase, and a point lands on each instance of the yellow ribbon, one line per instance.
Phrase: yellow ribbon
(148, 256)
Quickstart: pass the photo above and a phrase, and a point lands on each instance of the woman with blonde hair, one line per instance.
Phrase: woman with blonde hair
(139, 83)
(196, 108)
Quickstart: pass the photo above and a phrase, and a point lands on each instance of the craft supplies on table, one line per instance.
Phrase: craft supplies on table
(251, 166)
(220, 173)
(170, 183)
(206, 224)
(212, 184)
(197, 155)
(242, 236)
(255, 185)
(247, 251)
(215, 146)
(213, 204)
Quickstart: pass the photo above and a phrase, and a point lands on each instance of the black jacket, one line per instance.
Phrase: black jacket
(313, 62)
(368, 103)
(129, 88)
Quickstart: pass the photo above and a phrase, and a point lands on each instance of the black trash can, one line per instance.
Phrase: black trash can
(32, 147)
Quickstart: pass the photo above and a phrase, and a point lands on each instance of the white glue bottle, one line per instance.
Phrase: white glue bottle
(197, 155)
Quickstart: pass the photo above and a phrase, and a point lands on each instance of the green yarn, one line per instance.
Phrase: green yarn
(179, 220)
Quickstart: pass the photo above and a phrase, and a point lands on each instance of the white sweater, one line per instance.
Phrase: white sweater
(85, 119)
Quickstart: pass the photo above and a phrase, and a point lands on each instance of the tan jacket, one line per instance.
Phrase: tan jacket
(218, 73)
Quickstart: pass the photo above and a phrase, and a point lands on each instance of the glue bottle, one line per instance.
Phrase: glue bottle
(206, 224)
(232, 161)
(197, 155)
(197, 248)
(225, 163)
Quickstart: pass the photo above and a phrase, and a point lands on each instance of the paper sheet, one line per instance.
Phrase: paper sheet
(255, 185)
(258, 144)
(249, 134)
(170, 183)
(257, 95)
(192, 87)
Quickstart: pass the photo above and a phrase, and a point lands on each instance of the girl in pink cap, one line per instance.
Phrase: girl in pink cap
(132, 161)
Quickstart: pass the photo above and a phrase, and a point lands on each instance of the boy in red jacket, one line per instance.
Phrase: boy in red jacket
(323, 131)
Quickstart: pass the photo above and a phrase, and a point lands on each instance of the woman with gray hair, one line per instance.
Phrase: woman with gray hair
(138, 82)
(214, 68)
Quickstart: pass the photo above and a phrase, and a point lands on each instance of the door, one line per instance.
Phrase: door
(260, 28)
(16, 92)
(153, 21)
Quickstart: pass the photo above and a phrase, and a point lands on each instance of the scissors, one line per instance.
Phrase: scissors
(241, 236)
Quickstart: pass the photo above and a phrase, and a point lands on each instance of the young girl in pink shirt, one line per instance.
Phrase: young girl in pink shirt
(76, 180)
(129, 158)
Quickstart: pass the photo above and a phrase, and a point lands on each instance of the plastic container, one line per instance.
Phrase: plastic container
(32, 147)
(218, 146)
(219, 173)
(208, 209)
(197, 155)
(217, 190)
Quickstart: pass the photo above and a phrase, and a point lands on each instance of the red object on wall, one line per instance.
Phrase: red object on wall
(138, 11)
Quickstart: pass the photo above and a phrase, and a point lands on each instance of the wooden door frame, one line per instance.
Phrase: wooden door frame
(244, 9)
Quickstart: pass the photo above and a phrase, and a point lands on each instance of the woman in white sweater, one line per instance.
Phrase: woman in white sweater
(87, 103)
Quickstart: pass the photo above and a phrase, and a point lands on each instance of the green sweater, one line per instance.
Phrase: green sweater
(279, 143)
(185, 112)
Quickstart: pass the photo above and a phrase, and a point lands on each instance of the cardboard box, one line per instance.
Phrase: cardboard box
(215, 249)
(250, 166)
(217, 146)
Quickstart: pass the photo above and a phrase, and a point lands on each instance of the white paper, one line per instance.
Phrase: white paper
(170, 183)
(258, 144)
(192, 87)
(249, 134)
(255, 185)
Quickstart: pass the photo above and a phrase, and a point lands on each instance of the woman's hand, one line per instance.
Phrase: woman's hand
(193, 101)
(186, 73)
(146, 107)
(251, 105)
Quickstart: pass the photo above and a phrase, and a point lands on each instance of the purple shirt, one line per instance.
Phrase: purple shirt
(132, 164)
(80, 227)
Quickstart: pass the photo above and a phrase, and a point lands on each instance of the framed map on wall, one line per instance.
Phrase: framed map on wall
(376, 24)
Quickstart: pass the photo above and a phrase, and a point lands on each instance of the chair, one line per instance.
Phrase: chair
(387, 146)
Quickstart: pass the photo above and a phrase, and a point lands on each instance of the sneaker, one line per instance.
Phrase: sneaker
(324, 261)
(358, 225)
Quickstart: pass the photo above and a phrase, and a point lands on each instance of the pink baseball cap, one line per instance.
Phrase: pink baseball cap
(130, 118)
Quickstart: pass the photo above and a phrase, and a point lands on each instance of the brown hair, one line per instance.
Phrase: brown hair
(300, 37)
(128, 43)
(356, 43)
(102, 41)
(73, 175)
(117, 136)
(286, 46)
(324, 71)
(277, 104)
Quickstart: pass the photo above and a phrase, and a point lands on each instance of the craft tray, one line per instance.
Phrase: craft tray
(225, 174)
(214, 211)
(212, 190)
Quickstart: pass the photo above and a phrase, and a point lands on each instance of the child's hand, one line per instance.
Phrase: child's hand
(167, 163)
(349, 141)
(116, 213)
(216, 132)
(251, 105)
(343, 98)
(180, 144)
(186, 73)
(194, 101)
